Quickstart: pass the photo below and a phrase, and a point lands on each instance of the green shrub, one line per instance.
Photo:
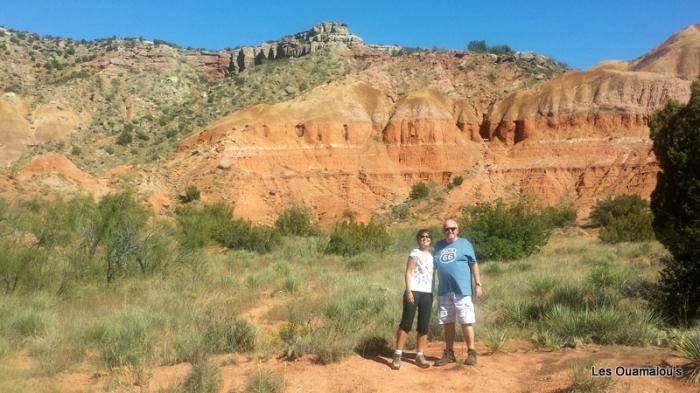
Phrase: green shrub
(457, 181)
(128, 338)
(4, 347)
(607, 275)
(298, 221)
(602, 325)
(623, 218)
(120, 230)
(352, 238)
(690, 348)
(204, 378)
(191, 194)
(125, 138)
(212, 224)
(504, 232)
(675, 202)
(202, 226)
(206, 333)
(519, 312)
(559, 217)
(242, 235)
(633, 228)
(262, 381)
(496, 339)
(620, 206)
(419, 190)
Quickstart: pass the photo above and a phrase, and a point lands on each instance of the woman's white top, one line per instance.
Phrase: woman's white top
(422, 280)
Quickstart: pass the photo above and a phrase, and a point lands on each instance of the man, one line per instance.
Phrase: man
(456, 266)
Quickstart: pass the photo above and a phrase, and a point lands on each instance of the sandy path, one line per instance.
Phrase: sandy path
(519, 371)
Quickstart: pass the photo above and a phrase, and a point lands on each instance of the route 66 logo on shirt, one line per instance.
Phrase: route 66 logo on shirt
(448, 255)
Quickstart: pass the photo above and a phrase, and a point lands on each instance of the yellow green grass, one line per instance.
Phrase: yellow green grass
(575, 291)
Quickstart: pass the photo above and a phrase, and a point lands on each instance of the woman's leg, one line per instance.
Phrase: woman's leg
(409, 312)
(425, 304)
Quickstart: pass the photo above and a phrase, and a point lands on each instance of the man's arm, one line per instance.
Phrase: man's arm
(477, 279)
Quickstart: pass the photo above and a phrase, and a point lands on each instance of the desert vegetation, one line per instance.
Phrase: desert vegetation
(107, 286)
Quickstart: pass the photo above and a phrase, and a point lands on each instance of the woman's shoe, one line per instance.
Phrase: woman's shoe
(396, 362)
(421, 362)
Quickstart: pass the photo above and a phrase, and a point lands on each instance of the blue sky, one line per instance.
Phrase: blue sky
(580, 33)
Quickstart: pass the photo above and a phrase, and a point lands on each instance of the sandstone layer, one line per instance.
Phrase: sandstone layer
(338, 148)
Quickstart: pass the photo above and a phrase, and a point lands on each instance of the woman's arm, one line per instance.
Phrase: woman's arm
(410, 268)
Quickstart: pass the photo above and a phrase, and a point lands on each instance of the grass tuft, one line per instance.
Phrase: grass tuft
(690, 349)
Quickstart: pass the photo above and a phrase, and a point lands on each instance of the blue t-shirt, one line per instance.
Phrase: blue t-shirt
(453, 262)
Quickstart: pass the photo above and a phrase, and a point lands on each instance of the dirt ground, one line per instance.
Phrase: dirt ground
(521, 370)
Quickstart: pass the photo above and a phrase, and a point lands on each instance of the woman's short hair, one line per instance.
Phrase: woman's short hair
(422, 232)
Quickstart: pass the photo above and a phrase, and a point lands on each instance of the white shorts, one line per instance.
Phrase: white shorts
(451, 305)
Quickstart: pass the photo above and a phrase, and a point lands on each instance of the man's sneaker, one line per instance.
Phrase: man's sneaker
(396, 362)
(471, 358)
(421, 362)
(447, 357)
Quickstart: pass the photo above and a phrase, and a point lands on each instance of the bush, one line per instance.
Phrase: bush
(481, 47)
(212, 224)
(298, 221)
(125, 138)
(120, 230)
(242, 235)
(620, 206)
(625, 218)
(265, 382)
(559, 217)
(352, 238)
(504, 232)
(204, 378)
(419, 190)
(675, 202)
(191, 194)
(690, 348)
(202, 226)
(127, 339)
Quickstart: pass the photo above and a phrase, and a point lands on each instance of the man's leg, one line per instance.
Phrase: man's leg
(449, 336)
(446, 317)
(468, 331)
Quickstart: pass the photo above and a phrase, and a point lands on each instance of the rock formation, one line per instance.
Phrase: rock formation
(322, 35)
(339, 147)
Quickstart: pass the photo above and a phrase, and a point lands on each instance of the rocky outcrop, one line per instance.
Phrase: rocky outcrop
(320, 36)
(215, 65)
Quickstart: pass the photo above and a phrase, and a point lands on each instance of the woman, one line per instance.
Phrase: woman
(418, 296)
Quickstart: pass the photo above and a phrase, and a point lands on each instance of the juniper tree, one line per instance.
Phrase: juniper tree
(675, 203)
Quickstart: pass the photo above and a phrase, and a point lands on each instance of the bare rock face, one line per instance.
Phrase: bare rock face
(319, 36)
(15, 131)
(678, 56)
(51, 174)
(604, 101)
(48, 122)
(339, 147)
(584, 135)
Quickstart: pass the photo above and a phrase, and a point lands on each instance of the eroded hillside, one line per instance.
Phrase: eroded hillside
(345, 125)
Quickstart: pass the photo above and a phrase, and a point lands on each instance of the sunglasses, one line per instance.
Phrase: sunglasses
(450, 229)
(425, 237)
